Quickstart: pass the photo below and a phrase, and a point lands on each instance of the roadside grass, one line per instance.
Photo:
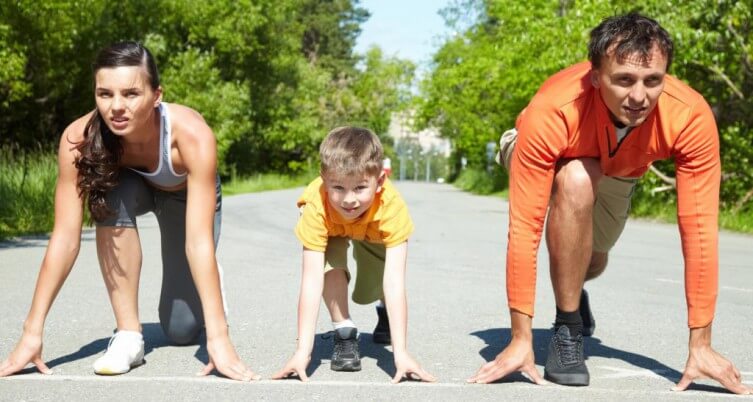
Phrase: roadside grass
(27, 189)
(265, 182)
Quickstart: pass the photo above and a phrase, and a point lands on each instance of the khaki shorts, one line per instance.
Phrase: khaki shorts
(612, 199)
(369, 266)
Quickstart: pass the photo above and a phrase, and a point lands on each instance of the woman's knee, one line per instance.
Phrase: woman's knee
(180, 324)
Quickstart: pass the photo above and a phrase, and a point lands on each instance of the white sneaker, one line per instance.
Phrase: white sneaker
(125, 351)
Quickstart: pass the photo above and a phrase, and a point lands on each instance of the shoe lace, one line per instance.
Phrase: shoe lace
(112, 341)
(345, 347)
(569, 348)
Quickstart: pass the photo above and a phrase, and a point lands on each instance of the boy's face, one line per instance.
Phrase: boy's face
(351, 196)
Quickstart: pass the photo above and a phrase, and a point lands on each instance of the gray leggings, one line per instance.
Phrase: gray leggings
(180, 311)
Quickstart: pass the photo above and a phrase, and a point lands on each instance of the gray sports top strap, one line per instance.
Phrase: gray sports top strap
(165, 175)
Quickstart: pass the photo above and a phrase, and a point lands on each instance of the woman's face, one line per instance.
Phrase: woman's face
(125, 100)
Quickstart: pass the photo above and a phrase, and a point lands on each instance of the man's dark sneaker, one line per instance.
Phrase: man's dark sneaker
(565, 364)
(382, 330)
(589, 324)
(345, 356)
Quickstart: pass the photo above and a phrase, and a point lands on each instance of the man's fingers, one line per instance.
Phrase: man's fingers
(288, 371)
(685, 381)
(495, 373)
(733, 384)
(533, 374)
(41, 366)
(483, 372)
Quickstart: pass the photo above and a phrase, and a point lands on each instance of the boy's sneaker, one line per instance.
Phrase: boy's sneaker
(589, 324)
(382, 330)
(125, 351)
(565, 364)
(345, 356)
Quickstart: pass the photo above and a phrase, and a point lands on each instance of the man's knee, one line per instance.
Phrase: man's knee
(575, 183)
(597, 265)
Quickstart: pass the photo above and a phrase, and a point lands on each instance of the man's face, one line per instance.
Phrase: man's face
(631, 87)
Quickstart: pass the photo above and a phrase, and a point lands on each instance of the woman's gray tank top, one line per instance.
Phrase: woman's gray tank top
(165, 175)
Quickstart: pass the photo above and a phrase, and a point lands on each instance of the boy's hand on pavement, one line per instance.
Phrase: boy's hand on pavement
(295, 366)
(408, 367)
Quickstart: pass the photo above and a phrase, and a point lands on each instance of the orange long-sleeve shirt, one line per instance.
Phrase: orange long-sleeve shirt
(567, 118)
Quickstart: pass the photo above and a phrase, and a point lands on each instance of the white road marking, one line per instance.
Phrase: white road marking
(620, 372)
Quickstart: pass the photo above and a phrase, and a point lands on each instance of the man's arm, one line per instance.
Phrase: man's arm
(698, 168)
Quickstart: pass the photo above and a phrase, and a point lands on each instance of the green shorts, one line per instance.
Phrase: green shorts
(369, 266)
(612, 199)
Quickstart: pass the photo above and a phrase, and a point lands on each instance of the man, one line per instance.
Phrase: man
(584, 139)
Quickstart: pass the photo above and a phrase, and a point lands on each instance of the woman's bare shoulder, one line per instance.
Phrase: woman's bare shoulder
(74, 132)
(187, 123)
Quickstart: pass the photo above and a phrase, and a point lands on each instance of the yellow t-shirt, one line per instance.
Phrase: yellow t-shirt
(386, 222)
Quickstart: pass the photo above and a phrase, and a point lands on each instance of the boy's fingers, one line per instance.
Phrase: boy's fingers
(281, 374)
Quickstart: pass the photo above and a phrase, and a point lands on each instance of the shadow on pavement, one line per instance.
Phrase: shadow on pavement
(40, 240)
(323, 345)
(154, 338)
(496, 339)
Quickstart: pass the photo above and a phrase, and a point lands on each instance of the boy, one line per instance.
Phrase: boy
(353, 201)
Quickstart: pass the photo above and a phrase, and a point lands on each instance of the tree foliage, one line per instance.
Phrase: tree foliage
(486, 73)
(271, 77)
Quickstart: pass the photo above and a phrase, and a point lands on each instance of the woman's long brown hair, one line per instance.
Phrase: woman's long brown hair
(100, 150)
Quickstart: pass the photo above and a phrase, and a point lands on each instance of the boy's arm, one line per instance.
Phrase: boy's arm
(312, 284)
(397, 312)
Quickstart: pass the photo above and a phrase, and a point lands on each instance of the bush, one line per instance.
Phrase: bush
(479, 181)
(27, 189)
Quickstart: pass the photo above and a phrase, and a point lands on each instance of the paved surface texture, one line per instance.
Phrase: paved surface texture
(457, 313)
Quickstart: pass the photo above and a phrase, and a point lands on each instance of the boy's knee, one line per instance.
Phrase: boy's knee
(597, 265)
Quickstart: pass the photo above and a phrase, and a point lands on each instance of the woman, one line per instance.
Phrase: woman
(134, 154)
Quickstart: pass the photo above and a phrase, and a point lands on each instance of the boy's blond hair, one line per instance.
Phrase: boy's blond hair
(348, 151)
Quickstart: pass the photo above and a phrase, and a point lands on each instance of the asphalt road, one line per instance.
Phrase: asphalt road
(457, 313)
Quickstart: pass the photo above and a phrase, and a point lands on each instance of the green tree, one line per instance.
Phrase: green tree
(486, 74)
